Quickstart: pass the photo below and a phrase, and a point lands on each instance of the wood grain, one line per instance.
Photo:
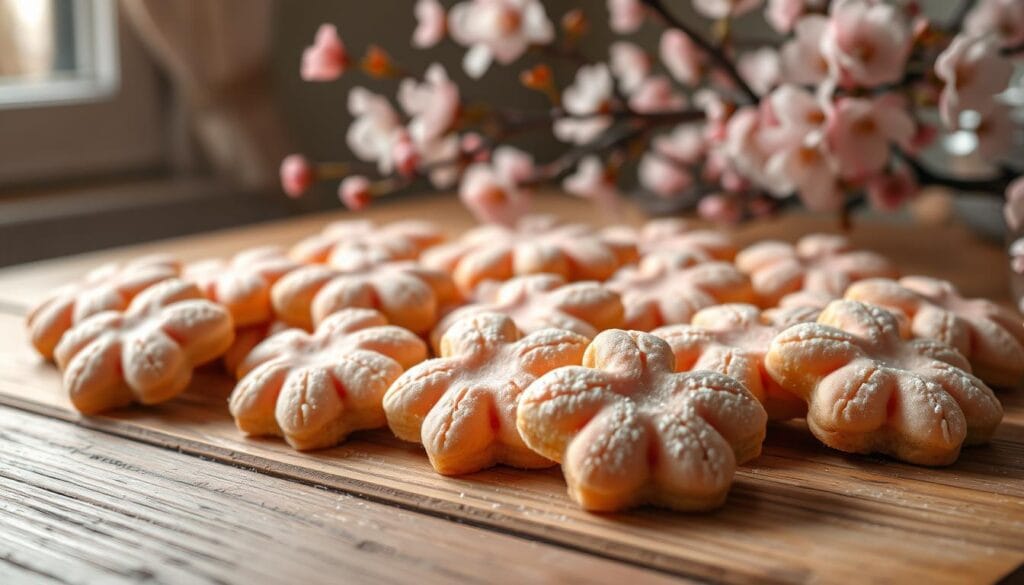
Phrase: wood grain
(799, 513)
(82, 506)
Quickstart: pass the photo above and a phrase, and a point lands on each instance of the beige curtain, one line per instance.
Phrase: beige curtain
(216, 53)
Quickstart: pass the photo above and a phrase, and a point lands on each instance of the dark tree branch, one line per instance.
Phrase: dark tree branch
(713, 51)
(995, 186)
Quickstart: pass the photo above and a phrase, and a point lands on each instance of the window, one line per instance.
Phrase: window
(79, 96)
(54, 51)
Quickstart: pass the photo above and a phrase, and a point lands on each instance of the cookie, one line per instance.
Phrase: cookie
(807, 300)
(732, 339)
(818, 263)
(110, 287)
(408, 294)
(989, 336)
(669, 288)
(246, 338)
(462, 406)
(538, 244)
(678, 235)
(870, 390)
(356, 243)
(542, 301)
(629, 430)
(242, 284)
(316, 389)
(145, 354)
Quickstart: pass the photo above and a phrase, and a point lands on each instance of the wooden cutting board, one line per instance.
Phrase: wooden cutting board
(799, 513)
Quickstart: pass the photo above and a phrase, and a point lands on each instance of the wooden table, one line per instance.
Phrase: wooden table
(175, 494)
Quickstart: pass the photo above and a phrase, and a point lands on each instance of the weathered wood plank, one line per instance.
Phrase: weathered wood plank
(82, 506)
(799, 513)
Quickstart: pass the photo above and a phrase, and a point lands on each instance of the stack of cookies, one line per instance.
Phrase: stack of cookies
(646, 362)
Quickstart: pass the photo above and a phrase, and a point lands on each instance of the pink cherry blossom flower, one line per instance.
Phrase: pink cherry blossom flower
(716, 113)
(809, 168)
(590, 94)
(923, 138)
(405, 156)
(720, 209)
(439, 154)
(866, 43)
(686, 144)
(662, 176)
(802, 60)
(683, 59)
(297, 175)
(499, 30)
(1004, 18)
(656, 94)
(354, 192)
(746, 145)
(375, 129)
(1013, 211)
(592, 181)
(433, 104)
(626, 16)
(718, 9)
(761, 69)
(796, 111)
(974, 71)
(472, 144)
(326, 59)
(1017, 261)
(784, 14)
(860, 132)
(431, 24)
(995, 132)
(492, 192)
(630, 64)
(889, 191)
(513, 165)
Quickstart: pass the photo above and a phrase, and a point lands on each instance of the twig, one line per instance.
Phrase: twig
(995, 186)
(713, 51)
(957, 22)
(608, 140)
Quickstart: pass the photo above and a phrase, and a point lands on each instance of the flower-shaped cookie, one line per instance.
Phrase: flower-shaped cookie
(674, 234)
(356, 243)
(629, 430)
(462, 405)
(819, 263)
(670, 287)
(110, 287)
(246, 338)
(732, 339)
(242, 284)
(870, 390)
(146, 354)
(538, 244)
(542, 301)
(316, 389)
(408, 294)
(989, 336)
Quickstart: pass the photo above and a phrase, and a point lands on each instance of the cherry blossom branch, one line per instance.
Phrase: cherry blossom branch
(610, 140)
(713, 51)
(1013, 51)
(994, 186)
(957, 22)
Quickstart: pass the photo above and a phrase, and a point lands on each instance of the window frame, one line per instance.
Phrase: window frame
(116, 121)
